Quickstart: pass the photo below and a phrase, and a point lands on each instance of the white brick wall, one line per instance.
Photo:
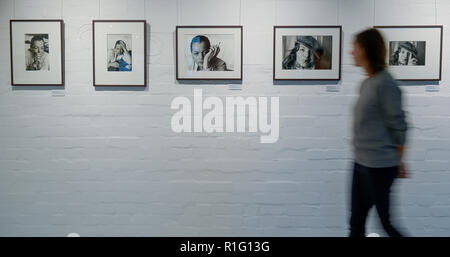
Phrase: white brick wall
(106, 163)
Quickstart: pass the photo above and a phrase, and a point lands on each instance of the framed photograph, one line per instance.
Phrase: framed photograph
(209, 52)
(413, 52)
(120, 53)
(307, 52)
(37, 52)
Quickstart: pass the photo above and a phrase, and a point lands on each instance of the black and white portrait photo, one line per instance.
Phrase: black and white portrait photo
(307, 52)
(119, 52)
(408, 53)
(210, 53)
(37, 52)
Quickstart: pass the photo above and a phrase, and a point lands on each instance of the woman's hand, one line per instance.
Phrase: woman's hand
(402, 168)
(112, 62)
(403, 173)
(126, 54)
(122, 45)
(413, 61)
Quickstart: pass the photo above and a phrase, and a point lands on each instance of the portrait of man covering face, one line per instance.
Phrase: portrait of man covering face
(37, 54)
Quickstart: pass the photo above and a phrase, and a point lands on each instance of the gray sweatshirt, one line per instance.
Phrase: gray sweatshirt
(379, 124)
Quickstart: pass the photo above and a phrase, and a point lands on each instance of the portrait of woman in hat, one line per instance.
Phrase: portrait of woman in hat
(406, 53)
(301, 56)
(306, 54)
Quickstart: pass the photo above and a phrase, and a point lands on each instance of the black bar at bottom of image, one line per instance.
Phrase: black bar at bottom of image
(220, 246)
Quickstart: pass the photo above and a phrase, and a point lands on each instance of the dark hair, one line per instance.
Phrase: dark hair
(199, 39)
(118, 43)
(311, 43)
(36, 38)
(372, 42)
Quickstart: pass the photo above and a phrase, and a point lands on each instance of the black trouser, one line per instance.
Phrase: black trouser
(371, 186)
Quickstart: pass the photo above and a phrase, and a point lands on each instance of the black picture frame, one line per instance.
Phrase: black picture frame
(145, 72)
(438, 77)
(60, 22)
(177, 53)
(276, 47)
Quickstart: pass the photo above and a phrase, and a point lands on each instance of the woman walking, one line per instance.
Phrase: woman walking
(379, 135)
